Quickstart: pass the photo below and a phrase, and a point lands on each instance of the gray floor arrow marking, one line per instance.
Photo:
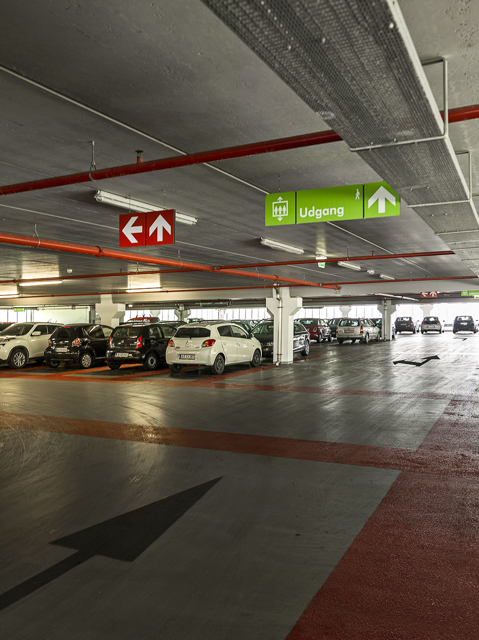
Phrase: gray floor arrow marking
(124, 537)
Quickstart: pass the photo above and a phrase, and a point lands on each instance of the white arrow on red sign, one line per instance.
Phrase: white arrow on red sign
(132, 230)
(160, 227)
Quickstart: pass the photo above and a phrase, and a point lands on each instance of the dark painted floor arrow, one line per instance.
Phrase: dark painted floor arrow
(417, 364)
(124, 538)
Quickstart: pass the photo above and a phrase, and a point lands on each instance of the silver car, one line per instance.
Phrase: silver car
(361, 329)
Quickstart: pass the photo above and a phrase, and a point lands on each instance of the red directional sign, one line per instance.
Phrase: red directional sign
(132, 230)
(160, 227)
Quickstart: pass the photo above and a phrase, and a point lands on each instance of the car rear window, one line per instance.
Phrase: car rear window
(349, 323)
(266, 327)
(125, 331)
(192, 332)
(64, 333)
(463, 318)
(432, 319)
(405, 319)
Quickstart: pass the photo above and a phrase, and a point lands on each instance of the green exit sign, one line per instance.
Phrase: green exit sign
(332, 204)
(18, 309)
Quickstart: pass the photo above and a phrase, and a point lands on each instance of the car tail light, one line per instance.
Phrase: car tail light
(50, 341)
(109, 342)
(171, 343)
(139, 342)
(77, 342)
(361, 330)
(208, 343)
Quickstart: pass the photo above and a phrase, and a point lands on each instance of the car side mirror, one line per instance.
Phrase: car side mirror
(36, 333)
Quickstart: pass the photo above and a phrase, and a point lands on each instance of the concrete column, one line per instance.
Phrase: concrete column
(110, 312)
(92, 314)
(282, 308)
(345, 311)
(426, 309)
(386, 309)
(181, 313)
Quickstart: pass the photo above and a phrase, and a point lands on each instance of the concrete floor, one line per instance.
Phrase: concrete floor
(333, 498)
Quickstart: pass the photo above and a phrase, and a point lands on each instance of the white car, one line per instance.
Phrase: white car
(212, 344)
(361, 329)
(431, 323)
(24, 341)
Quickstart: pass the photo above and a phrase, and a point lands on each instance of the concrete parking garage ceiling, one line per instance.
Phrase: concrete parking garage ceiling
(181, 80)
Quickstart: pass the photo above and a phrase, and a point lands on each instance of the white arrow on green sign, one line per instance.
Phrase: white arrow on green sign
(351, 202)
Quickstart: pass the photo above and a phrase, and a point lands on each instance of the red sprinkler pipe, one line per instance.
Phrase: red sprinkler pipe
(241, 151)
(99, 252)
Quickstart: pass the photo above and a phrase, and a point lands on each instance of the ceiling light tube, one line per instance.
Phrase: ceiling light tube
(9, 295)
(349, 265)
(124, 202)
(371, 272)
(145, 290)
(385, 277)
(34, 283)
(321, 257)
(272, 244)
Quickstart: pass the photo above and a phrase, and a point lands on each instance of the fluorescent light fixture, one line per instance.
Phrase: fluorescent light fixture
(272, 244)
(34, 283)
(321, 257)
(10, 295)
(124, 202)
(349, 265)
(371, 272)
(385, 277)
(144, 290)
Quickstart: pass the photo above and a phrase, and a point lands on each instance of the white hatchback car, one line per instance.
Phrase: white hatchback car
(361, 329)
(212, 344)
(24, 341)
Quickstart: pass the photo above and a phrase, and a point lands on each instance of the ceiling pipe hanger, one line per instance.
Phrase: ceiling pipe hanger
(269, 146)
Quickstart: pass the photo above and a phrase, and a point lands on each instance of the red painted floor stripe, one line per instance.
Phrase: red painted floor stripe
(412, 572)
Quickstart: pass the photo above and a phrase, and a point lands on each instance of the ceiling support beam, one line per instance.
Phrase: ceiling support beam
(99, 252)
(269, 146)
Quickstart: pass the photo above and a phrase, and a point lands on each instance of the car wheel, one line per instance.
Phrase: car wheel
(366, 338)
(219, 365)
(378, 337)
(18, 359)
(305, 351)
(114, 366)
(86, 360)
(175, 368)
(340, 341)
(151, 361)
(453, 331)
(329, 338)
(255, 362)
(53, 364)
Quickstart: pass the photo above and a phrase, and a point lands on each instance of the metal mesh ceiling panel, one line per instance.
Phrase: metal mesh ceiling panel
(354, 63)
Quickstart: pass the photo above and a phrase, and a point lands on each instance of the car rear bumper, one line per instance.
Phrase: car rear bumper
(205, 357)
(127, 356)
(62, 357)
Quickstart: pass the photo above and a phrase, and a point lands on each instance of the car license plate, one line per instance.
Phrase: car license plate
(61, 349)
(187, 356)
(348, 330)
(121, 355)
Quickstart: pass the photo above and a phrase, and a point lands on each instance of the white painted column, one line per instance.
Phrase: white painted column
(181, 313)
(110, 312)
(282, 308)
(345, 311)
(386, 309)
(426, 309)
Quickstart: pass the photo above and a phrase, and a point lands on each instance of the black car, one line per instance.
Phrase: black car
(406, 323)
(464, 323)
(264, 333)
(82, 344)
(140, 343)
(334, 324)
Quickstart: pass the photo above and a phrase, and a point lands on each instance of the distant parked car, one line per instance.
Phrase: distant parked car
(406, 323)
(379, 323)
(319, 329)
(464, 323)
(212, 344)
(361, 329)
(245, 324)
(139, 343)
(264, 333)
(431, 323)
(83, 344)
(24, 341)
(334, 324)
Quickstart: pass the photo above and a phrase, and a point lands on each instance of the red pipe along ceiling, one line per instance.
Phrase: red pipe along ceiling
(99, 252)
(269, 146)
